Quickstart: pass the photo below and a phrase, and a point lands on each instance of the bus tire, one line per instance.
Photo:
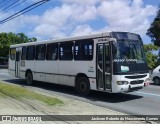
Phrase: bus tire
(83, 86)
(156, 81)
(29, 78)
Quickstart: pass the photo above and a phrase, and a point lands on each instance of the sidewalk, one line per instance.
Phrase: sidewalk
(11, 106)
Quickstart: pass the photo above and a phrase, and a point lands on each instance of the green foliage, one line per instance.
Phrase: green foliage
(151, 55)
(154, 30)
(21, 93)
(7, 39)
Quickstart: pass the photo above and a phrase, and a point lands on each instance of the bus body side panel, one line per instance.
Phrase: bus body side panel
(66, 75)
(22, 69)
(69, 69)
(87, 68)
(11, 67)
(91, 68)
(50, 71)
(11, 63)
(27, 65)
(40, 69)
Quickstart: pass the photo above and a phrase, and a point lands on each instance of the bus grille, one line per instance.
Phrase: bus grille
(137, 82)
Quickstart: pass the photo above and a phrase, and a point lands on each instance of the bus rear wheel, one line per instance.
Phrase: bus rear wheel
(29, 78)
(83, 86)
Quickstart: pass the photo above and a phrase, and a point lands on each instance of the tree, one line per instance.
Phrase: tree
(151, 55)
(154, 31)
(7, 39)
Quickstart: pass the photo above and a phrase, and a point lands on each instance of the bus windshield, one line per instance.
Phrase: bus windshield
(128, 50)
(128, 57)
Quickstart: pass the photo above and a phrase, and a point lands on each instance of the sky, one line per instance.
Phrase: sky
(64, 18)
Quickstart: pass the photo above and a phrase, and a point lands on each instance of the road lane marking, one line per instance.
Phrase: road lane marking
(148, 93)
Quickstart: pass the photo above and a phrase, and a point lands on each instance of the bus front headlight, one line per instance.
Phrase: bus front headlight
(122, 82)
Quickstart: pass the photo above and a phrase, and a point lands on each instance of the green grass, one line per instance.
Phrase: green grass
(2, 95)
(19, 92)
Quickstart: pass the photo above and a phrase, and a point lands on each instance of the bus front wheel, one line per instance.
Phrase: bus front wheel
(29, 78)
(83, 86)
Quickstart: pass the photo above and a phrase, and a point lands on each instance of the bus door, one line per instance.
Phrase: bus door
(17, 63)
(103, 71)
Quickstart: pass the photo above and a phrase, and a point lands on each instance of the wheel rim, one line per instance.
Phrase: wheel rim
(83, 86)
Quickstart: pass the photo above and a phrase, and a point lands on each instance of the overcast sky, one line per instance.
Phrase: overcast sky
(63, 18)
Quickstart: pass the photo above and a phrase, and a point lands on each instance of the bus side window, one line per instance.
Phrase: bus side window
(12, 53)
(83, 50)
(40, 52)
(30, 53)
(24, 51)
(66, 51)
(52, 51)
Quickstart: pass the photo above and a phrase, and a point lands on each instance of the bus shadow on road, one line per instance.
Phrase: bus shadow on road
(154, 84)
(112, 97)
(70, 92)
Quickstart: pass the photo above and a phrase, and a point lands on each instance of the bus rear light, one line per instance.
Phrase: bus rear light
(122, 82)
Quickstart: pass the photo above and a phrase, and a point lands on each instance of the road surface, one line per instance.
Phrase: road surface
(142, 102)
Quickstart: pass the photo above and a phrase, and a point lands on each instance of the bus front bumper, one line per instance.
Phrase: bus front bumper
(131, 89)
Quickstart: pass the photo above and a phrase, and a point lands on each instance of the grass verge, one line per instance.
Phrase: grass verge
(19, 92)
(2, 95)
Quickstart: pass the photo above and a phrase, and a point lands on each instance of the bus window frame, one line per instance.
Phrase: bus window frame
(12, 54)
(83, 43)
(72, 51)
(52, 45)
(41, 50)
(27, 56)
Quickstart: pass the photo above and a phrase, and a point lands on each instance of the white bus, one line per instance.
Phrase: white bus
(109, 61)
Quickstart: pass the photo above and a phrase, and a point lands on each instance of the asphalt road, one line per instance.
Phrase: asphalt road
(142, 102)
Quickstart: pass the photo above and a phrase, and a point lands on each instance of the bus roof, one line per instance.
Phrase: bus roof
(72, 38)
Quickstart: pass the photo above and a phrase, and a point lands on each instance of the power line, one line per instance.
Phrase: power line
(13, 5)
(10, 5)
(6, 2)
(25, 10)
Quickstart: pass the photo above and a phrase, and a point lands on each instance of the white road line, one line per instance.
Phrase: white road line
(148, 93)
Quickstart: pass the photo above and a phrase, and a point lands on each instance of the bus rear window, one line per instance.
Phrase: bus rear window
(12, 53)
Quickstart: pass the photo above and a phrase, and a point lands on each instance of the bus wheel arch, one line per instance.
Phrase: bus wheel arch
(29, 77)
(82, 84)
